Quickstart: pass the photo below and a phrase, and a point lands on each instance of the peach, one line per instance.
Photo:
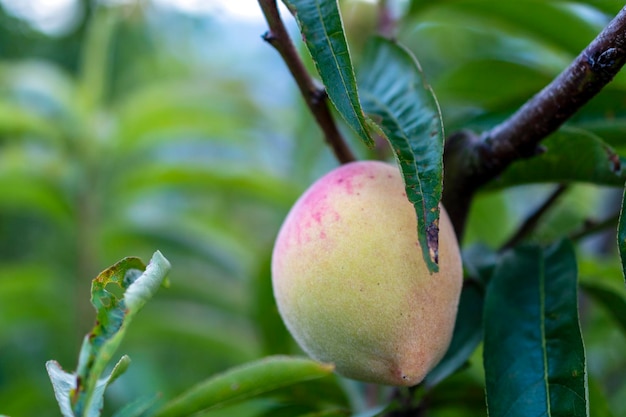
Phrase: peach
(350, 281)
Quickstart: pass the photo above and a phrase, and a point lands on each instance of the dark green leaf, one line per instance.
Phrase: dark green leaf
(393, 90)
(534, 355)
(572, 155)
(322, 29)
(468, 333)
(613, 302)
(244, 382)
(621, 235)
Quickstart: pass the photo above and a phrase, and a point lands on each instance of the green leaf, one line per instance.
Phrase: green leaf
(253, 183)
(169, 110)
(37, 194)
(244, 382)
(118, 293)
(393, 89)
(16, 120)
(574, 31)
(572, 155)
(533, 353)
(271, 329)
(621, 235)
(598, 403)
(95, 60)
(479, 83)
(138, 407)
(612, 301)
(322, 29)
(328, 413)
(293, 410)
(63, 384)
(468, 333)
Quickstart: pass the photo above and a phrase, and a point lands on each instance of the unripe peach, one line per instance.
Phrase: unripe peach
(350, 281)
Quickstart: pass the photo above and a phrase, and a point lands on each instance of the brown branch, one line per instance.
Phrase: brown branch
(475, 160)
(593, 226)
(314, 96)
(387, 22)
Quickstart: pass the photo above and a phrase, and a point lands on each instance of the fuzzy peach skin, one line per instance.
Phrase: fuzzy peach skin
(350, 281)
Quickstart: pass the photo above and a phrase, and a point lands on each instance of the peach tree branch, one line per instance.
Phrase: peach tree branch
(314, 96)
(472, 161)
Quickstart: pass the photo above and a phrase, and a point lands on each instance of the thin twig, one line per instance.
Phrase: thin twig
(529, 225)
(387, 22)
(593, 226)
(482, 158)
(314, 96)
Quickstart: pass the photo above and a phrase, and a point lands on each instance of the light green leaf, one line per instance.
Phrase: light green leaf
(95, 65)
(322, 29)
(533, 350)
(118, 293)
(328, 413)
(574, 31)
(138, 407)
(63, 384)
(16, 120)
(244, 382)
(98, 393)
(169, 109)
(253, 183)
(394, 90)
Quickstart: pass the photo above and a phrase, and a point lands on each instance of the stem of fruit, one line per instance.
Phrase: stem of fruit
(474, 160)
(314, 95)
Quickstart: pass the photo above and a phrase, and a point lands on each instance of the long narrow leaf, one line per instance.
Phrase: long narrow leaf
(322, 29)
(533, 354)
(247, 381)
(621, 235)
(393, 89)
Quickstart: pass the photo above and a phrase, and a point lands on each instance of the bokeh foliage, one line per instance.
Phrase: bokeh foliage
(146, 129)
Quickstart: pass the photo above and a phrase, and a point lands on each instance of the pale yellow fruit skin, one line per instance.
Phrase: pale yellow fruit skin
(350, 281)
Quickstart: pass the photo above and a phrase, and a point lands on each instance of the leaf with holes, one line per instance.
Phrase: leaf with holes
(117, 293)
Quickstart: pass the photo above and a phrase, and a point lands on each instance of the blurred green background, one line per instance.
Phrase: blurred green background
(132, 126)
